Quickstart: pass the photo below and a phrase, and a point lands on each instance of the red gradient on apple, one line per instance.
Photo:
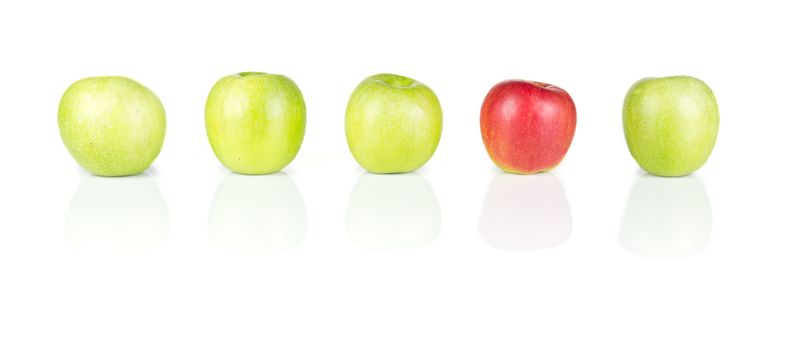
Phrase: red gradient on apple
(527, 126)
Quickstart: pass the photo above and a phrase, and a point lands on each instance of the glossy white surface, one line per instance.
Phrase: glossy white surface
(457, 255)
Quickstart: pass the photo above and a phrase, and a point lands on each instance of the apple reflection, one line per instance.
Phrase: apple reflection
(525, 212)
(666, 217)
(393, 211)
(257, 214)
(117, 215)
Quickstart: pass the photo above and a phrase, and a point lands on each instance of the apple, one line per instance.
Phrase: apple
(255, 122)
(393, 124)
(670, 124)
(527, 126)
(112, 126)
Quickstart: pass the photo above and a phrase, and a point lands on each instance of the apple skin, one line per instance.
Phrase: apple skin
(255, 122)
(112, 126)
(393, 124)
(527, 127)
(670, 124)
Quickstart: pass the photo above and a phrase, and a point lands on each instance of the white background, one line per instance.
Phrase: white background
(190, 256)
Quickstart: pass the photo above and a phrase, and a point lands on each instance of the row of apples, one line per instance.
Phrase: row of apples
(114, 126)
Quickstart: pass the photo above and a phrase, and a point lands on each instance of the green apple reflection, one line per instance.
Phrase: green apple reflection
(257, 214)
(393, 211)
(123, 215)
(666, 217)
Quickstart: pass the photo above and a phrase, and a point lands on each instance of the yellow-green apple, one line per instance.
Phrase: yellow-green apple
(393, 124)
(527, 126)
(112, 126)
(255, 122)
(670, 124)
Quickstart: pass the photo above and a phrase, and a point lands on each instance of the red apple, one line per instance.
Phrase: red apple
(527, 126)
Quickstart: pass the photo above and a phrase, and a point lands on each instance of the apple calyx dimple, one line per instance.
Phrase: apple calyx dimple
(395, 81)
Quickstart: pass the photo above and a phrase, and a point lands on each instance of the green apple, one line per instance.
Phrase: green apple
(393, 124)
(112, 126)
(670, 124)
(255, 122)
